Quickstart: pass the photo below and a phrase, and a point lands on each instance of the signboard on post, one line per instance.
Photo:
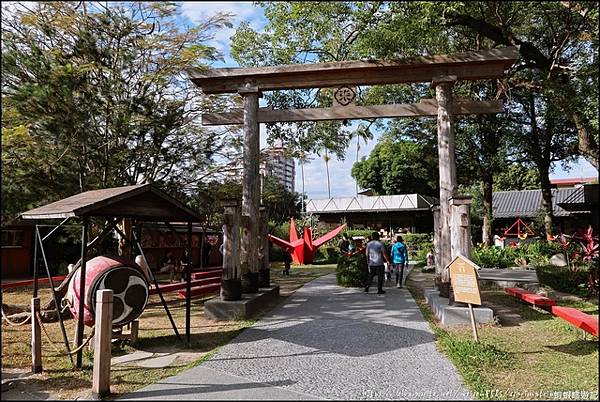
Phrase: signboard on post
(463, 277)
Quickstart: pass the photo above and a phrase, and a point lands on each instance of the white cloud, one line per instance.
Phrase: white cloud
(342, 182)
(578, 169)
(241, 11)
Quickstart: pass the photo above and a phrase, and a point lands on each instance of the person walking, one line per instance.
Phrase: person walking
(399, 259)
(344, 244)
(376, 254)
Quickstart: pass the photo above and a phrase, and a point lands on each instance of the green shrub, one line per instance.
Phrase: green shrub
(275, 253)
(327, 255)
(563, 279)
(352, 271)
(492, 257)
(535, 253)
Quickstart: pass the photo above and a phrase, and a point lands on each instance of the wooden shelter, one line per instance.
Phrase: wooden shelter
(442, 71)
(138, 203)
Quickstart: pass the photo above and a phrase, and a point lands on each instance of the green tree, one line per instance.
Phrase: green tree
(398, 167)
(516, 176)
(93, 96)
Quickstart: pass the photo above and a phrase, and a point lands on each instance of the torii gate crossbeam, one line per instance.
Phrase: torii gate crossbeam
(441, 70)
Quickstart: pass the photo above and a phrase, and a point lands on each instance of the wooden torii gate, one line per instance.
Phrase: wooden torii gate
(442, 71)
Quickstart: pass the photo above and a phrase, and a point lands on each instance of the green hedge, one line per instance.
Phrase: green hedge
(352, 271)
(536, 253)
(563, 279)
(327, 255)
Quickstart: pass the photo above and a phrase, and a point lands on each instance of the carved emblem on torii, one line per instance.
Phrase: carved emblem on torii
(344, 96)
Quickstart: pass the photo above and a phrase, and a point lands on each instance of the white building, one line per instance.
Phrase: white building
(275, 162)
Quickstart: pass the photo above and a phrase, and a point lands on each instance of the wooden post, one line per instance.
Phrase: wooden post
(36, 337)
(102, 343)
(188, 286)
(124, 248)
(447, 161)
(79, 333)
(473, 323)
(35, 261)
(461, 226)
(251, 182)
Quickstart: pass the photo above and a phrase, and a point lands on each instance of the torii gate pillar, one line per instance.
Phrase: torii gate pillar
(249, 263)
(447, 164)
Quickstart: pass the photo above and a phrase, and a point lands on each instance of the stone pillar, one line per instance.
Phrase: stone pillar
(231, 284)
(264, 273)
(437, 239)
(447, 161)
(250, 190)
(461, 226)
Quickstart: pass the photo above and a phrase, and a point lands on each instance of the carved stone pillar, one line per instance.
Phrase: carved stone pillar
(461, 226)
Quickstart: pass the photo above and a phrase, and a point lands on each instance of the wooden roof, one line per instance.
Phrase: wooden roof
(483, 64)
(143, 201)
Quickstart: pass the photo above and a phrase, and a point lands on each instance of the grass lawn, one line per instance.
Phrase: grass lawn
(530, 354)
(156, 335)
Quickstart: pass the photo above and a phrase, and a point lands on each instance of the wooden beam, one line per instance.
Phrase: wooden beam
(484, 64)
(427, 107)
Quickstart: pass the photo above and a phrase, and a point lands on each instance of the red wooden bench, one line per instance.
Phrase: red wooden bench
(29, 282)
(532, 298)
(587, 322)
(182, 285)
(201, 290)
(207, 274)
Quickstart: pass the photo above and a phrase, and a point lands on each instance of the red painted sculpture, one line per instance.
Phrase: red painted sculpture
(303, 250)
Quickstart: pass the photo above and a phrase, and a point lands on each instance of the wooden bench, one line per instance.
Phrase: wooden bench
(532, 298)
(207, 274)
(29, 282)
(201, 290)
(182, 285)
(587, 322)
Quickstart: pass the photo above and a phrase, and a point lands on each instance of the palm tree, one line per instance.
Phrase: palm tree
(327, 158)
(303, 159)
(363, 132)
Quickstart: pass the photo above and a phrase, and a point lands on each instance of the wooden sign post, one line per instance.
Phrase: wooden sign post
(463, 277)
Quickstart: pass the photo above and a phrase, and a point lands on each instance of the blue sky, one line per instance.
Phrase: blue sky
(342, 184)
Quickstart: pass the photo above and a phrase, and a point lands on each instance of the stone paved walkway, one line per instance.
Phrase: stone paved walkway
(324, 342)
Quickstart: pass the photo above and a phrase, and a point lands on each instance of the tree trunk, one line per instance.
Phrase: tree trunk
(327, 169)
(487, 191)
(357, 149)
(447, 164)
(546, 199)
(303, 206)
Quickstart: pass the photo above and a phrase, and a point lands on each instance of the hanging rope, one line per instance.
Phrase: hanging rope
(72, 352)
(13, 323)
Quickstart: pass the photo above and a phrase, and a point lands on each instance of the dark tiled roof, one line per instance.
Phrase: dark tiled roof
(142, 200)
(527, 203)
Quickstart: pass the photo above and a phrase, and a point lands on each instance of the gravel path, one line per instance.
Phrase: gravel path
(325, 342)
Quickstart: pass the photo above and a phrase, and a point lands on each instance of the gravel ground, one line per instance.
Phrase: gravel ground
(325, 342)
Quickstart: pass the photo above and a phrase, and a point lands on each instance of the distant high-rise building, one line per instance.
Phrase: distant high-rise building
(275, 162)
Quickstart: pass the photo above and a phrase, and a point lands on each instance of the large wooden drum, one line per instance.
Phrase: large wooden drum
(125, 279)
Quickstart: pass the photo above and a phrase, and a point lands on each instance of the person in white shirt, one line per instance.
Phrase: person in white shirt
(376, 254)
